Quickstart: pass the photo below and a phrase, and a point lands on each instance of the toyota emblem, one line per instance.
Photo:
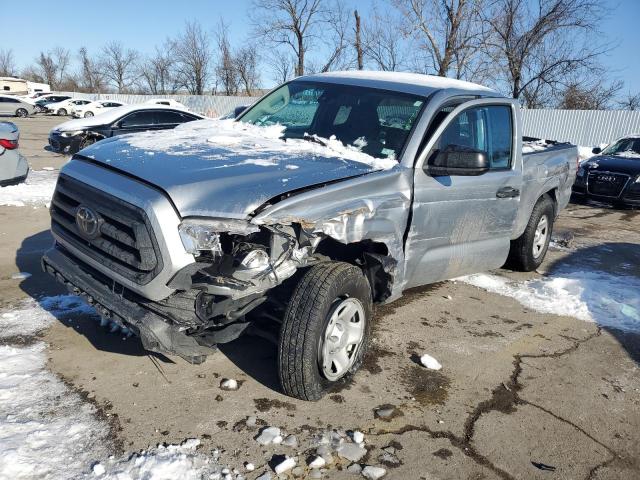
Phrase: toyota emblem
(87, 221)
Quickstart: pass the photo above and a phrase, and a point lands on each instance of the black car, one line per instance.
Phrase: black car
(613, 175)
(41, 104)
(74, 135)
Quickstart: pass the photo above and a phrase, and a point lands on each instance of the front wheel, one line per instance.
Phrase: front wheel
(528, 251)
(22, 113)
(62, 112)
(88, 114)
(325, 330)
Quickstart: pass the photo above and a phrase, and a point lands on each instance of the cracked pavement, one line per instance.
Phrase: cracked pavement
(522, 395)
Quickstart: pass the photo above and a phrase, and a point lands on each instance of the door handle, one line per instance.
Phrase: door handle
(508, 192)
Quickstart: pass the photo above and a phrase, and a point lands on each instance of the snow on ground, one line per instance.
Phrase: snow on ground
(594, 296)
(47, 431)
(238, 138)
(36, 191)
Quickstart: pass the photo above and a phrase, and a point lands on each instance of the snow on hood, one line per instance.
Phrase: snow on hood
(239, 137)
(224, 168)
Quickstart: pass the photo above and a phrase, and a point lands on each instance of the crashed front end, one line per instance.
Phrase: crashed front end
(186, 284)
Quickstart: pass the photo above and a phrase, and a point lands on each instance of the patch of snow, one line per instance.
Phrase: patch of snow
(285, 465)
(36, 190)
(268, 435)
(229, 384)
(534, 146)
(594, 296)
(20, 276)
(358, 437)
(431, 363)
(249, 467)
(351, 451)
(373, 473)
(265, 144)
(628, 154)
(317, 462)
(47, 431)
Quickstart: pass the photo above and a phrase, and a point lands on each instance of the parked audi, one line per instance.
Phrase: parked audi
(613, 175)
(13, 166)
(75, 135)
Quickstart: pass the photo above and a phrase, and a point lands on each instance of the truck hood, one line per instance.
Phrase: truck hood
(220, 169)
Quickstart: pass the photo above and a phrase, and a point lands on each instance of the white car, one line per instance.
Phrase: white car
(94, 108)
(168, 102)
(66, 106)
(13, 166)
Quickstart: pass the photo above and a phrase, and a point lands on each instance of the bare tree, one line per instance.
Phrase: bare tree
(384, 47)
(226, 71)
(335, 25)
(246, 65)
(7, 63)
(630, 102)
(53, 66)
(282, 65)
(538, 44)
(156, 72)
(193, 55)
(119, 65)
(90, 76)
(357, 41)
(449, 32)
(289, 23)
(598, 95)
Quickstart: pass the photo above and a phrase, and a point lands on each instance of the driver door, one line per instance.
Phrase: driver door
(462, 224)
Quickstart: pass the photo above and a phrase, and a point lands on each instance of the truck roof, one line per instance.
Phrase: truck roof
(413, 83)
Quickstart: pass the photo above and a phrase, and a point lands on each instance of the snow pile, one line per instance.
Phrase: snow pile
(37, 190)
(46, 430)
(534, 146)
(594, 296)
(264, 144)
(49, 432)
(162, 463)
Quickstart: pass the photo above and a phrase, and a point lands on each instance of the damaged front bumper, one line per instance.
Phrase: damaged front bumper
(124, 307)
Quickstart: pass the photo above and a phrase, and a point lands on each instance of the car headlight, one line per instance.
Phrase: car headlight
(200, 236)
(71, 133)
(638, 179)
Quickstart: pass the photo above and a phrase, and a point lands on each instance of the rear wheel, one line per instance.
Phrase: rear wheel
(528, 251)
(325, 330)
(22, 112)
(88, 114)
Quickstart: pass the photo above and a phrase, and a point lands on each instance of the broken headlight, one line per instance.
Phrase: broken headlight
(200, 236)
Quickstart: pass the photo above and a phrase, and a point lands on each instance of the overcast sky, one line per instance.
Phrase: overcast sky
(142, 24)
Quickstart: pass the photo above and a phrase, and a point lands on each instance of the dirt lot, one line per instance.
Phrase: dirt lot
(521, 395)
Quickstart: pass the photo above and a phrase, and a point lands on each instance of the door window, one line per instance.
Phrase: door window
(169, 118)
(139, 119)
(488, 129)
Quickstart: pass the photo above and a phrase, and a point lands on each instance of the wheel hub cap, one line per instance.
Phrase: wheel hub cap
(540, 237)
(342, 338)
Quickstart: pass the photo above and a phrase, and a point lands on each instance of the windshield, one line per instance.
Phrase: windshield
(627, 147)
(376, 122)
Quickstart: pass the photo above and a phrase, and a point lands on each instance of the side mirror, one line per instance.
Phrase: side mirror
(458, 160)
(238, 110)
(596, 151)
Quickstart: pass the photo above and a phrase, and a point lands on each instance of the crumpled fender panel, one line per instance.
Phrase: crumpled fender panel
(372, 207)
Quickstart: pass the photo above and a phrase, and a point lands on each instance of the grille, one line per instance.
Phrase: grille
(606, 184)
(124, 242)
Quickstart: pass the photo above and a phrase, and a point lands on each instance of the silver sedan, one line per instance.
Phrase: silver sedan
(13, 166)
(14, 106)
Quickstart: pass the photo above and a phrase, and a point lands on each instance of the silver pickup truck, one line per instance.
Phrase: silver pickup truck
(330, 194)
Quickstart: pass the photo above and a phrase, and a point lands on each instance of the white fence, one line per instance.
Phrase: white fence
(209, 105)
(581, 127)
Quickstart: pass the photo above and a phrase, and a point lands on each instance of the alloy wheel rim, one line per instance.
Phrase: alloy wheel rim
(540, 236)
(342, 338)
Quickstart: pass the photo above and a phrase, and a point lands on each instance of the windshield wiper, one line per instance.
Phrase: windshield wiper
(313, 139)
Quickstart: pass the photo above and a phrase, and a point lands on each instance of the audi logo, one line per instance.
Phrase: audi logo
(606, 178)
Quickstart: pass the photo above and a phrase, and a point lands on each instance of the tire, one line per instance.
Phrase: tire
(528, 251)
(22, 113)
(62, 112)
(323, 292)
(39, 109)
(88, 114)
